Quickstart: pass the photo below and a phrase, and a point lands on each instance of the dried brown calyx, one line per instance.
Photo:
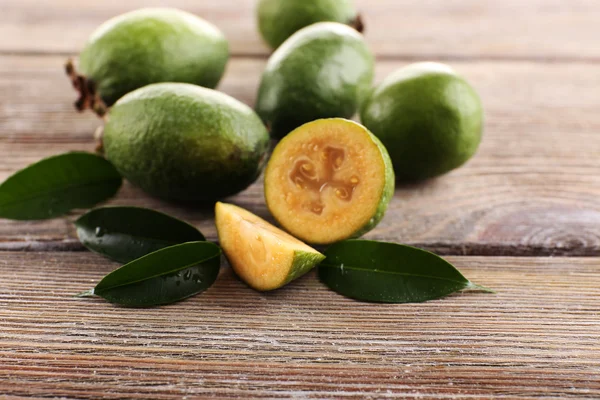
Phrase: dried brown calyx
(89, 98)
(358, 24)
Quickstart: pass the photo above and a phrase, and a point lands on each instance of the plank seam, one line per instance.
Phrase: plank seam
(378, 57)
(441, 248)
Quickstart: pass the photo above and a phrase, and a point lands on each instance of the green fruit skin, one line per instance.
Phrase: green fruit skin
(303, 262)
(185, 143)
(388, 190)
(322, 71)
(279, 19)
(153, 45)
(429, 118)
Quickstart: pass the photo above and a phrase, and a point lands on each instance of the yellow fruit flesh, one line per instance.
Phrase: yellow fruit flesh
(325, 180)
(259, 253)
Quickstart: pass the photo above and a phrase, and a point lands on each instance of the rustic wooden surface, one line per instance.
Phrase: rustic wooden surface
(535, 166)
(532, 190)
(537, 337)
(531, 29)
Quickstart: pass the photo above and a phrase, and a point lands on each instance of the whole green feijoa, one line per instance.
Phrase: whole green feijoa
(185, 143)
(429, 118)
(147, 46)
(322, 71)
(279, 19)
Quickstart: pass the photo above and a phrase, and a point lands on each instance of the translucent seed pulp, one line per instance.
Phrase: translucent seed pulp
(305, 175)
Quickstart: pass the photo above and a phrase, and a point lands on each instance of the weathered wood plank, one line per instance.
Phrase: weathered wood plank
(538, 337)
(530, 29)
(533, 188)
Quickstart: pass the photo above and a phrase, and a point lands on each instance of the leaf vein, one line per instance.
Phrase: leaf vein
(155, 275)
(466, 281)
(54, 190)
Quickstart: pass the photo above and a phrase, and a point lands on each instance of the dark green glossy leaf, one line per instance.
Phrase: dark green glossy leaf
(162, 277)
(125, 234)
(56, 185)
(389, 272)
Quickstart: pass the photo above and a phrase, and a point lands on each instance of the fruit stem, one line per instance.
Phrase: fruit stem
(358, 24)
(88, 96)
(474, 286)
(87, 293)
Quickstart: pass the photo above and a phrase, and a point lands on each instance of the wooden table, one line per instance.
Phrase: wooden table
(522, 217)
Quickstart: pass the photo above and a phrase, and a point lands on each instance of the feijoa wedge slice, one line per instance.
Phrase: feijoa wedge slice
(262, 255)
(329, 180)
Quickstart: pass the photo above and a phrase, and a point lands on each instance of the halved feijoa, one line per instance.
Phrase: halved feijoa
(262, 255)
(329, 180)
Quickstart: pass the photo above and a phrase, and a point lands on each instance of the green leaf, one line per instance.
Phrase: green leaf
(58, 184)
(128, 233)
(389, 272)
(165, 276)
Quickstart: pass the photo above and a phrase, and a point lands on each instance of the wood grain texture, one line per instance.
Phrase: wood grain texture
(532, 189)
(532, 29)
(538, 337)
